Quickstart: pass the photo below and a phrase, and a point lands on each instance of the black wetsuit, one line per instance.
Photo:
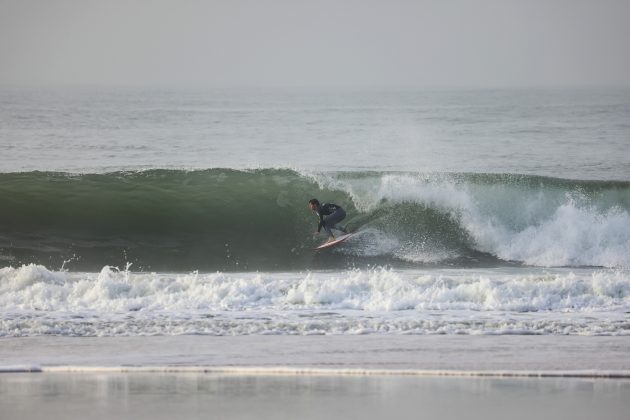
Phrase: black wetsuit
(334, 214)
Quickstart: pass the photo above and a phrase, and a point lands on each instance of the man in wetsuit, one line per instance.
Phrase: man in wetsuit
(333, 215)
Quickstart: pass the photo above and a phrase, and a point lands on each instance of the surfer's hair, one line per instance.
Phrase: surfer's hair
(314, 201)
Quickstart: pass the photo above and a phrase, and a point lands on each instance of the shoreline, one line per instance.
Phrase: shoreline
(367, 355)
(285, 371)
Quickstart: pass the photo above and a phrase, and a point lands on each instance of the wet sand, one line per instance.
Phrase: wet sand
(486, 354)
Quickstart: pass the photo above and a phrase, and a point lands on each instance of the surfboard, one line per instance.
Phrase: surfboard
(337, 241)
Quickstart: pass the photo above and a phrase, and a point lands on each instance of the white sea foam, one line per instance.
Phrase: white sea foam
(571, 236)
(498, 301)
(35, 287)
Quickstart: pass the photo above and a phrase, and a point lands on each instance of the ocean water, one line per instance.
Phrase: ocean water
(129, 212)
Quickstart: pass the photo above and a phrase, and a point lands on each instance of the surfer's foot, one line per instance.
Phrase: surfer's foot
(330, 239)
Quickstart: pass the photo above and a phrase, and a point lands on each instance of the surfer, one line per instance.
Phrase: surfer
(334, 214)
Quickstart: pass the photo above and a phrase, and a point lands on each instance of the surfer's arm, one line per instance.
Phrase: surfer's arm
(321, 223)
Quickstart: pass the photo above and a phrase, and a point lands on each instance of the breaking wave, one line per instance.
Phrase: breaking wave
(233, 220)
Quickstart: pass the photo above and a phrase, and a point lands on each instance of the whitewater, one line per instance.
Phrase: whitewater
(36, 301)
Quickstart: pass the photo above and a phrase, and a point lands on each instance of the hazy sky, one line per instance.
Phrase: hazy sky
(441, 43)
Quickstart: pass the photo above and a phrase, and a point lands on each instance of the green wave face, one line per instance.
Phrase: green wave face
(223, 219)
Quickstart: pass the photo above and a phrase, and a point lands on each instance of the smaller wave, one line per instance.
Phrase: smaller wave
(33, 287)
(35, 300)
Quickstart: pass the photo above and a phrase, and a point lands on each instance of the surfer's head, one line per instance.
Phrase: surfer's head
(313, 203)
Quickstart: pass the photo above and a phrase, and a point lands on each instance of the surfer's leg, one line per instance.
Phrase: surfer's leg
(340, 228)
(332, 220)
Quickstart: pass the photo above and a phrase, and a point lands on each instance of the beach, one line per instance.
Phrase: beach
(362, 377)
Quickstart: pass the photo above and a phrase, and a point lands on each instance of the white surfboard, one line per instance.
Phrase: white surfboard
(337, 241)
